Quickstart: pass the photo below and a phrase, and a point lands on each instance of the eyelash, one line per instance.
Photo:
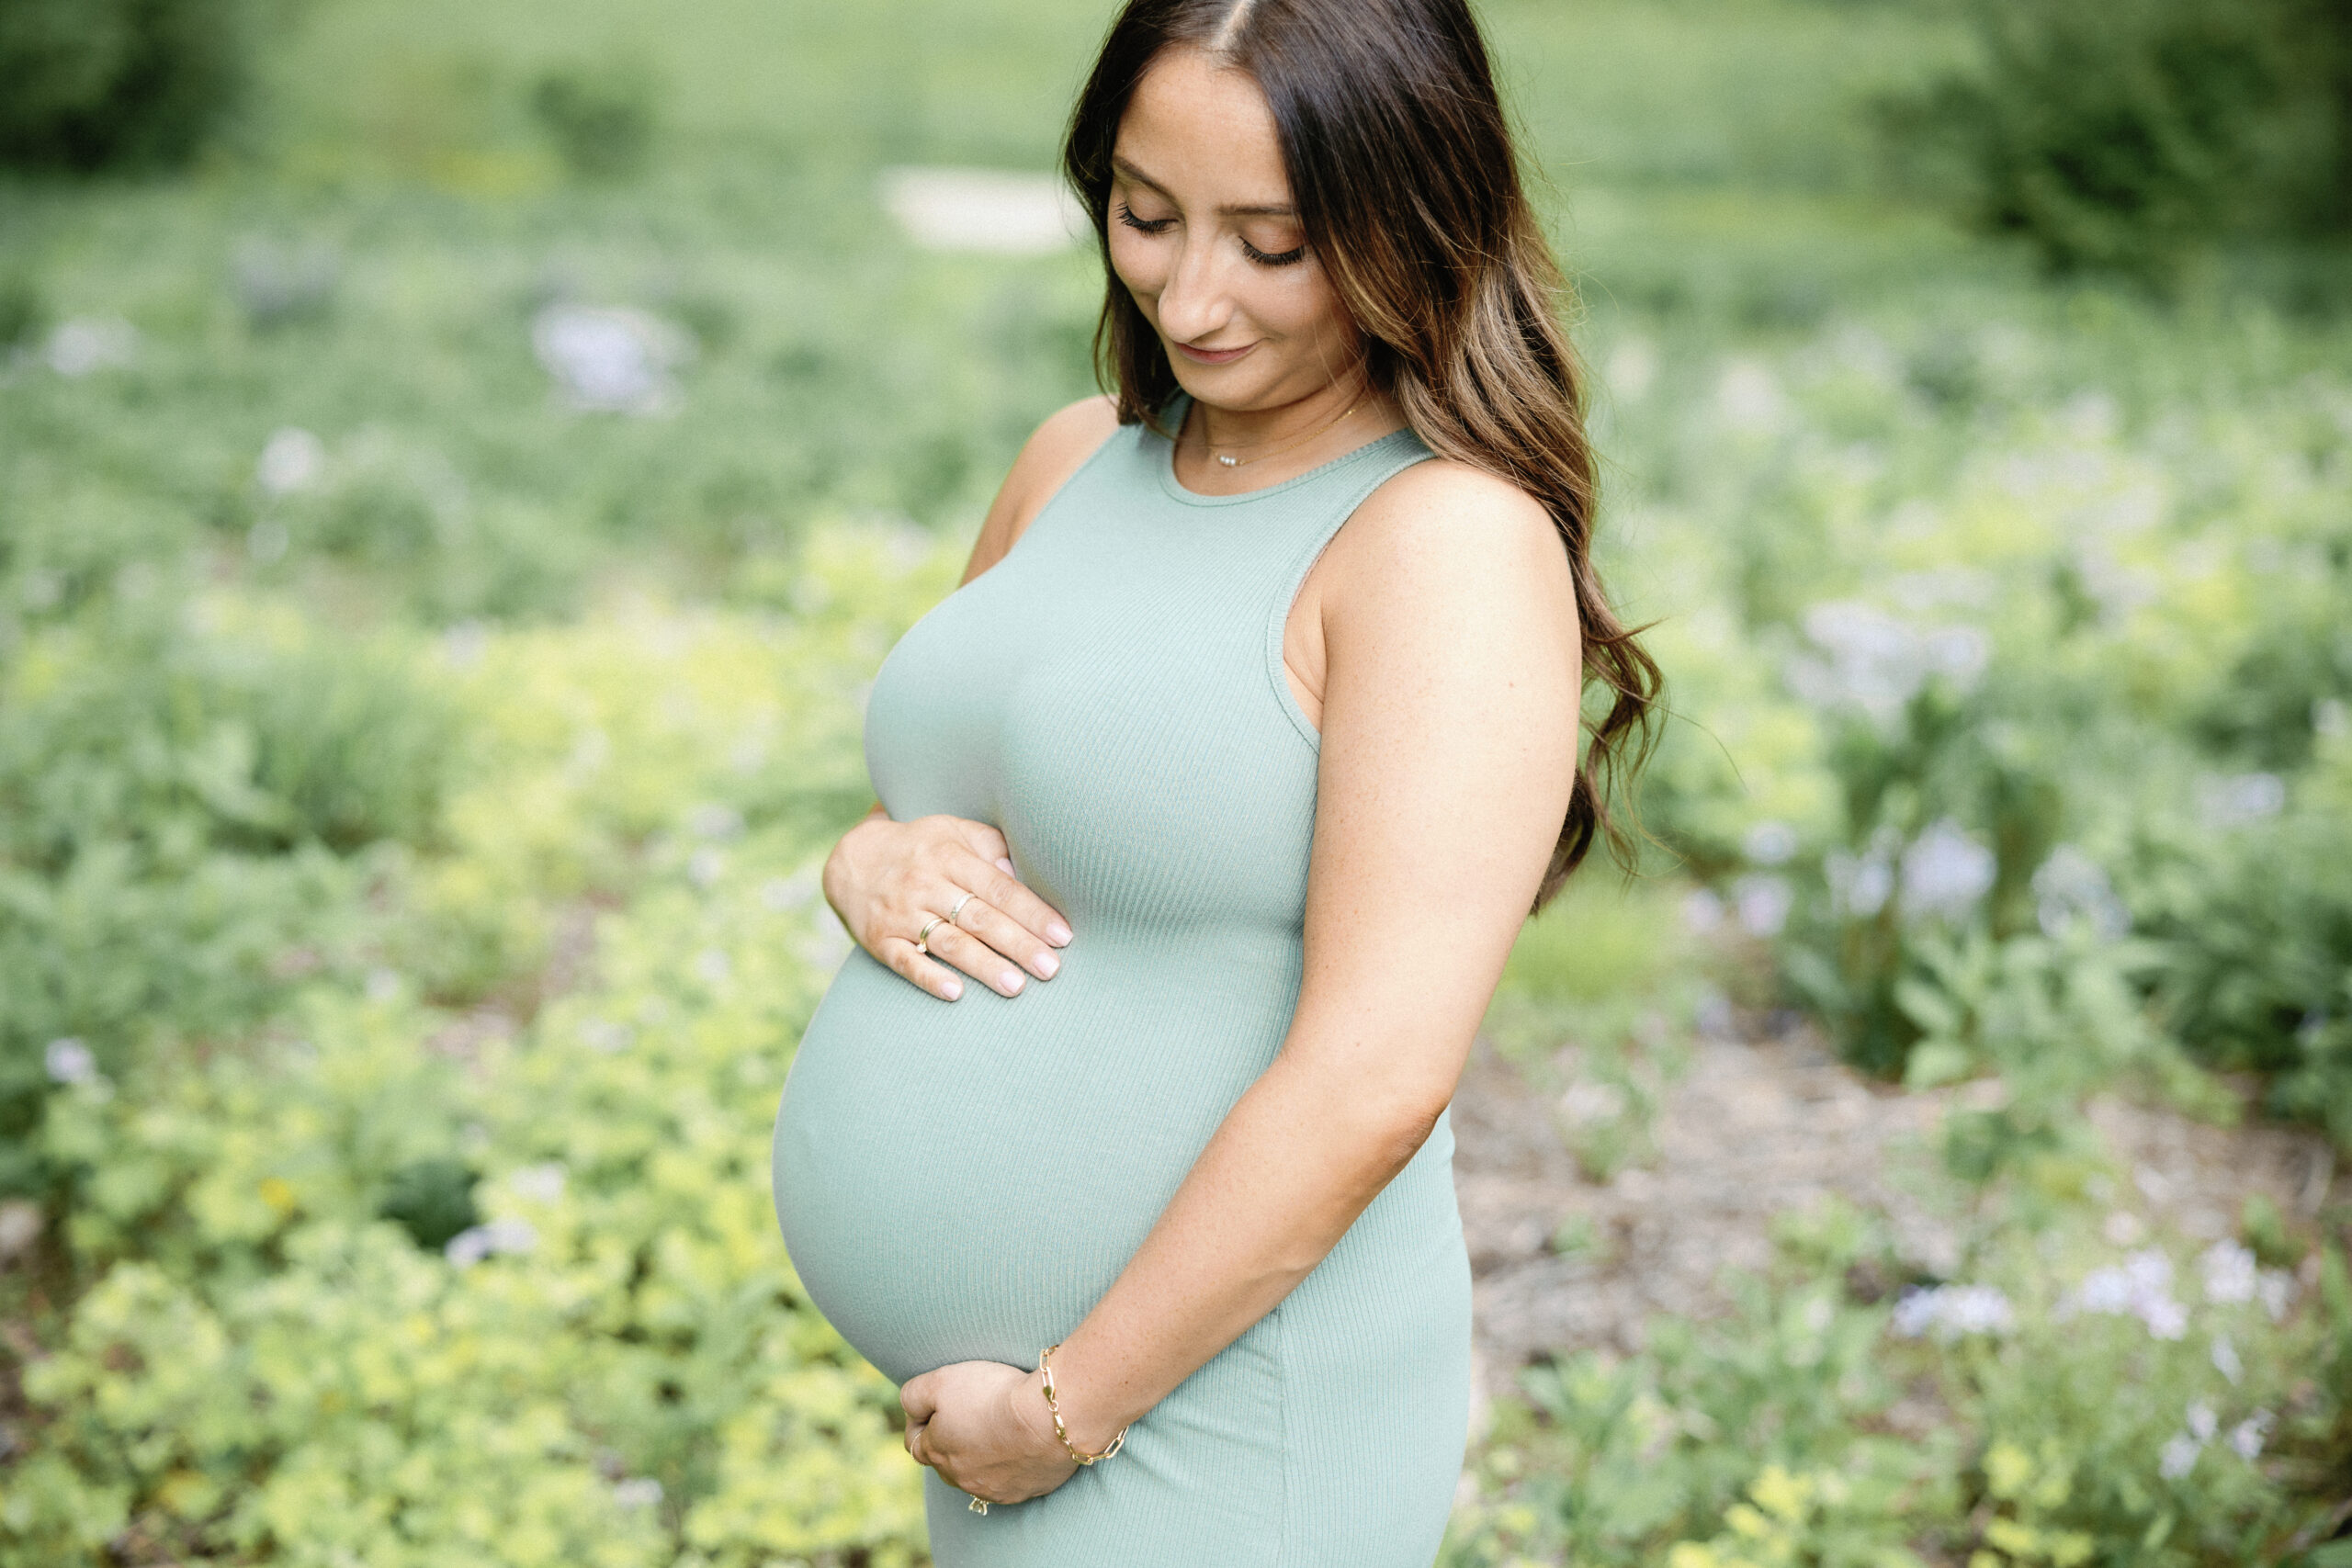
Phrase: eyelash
(1155, 225)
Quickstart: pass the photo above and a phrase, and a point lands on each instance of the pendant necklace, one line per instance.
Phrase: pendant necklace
(1232, 462)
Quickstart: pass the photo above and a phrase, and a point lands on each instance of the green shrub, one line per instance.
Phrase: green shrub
(2081, 1407)
(2119, 136)
(600, 117)
(98, 83)
(186, 822)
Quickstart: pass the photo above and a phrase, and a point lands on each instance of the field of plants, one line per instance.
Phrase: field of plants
(447, 529)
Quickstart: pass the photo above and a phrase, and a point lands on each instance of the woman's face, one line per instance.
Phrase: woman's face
(1204, 234)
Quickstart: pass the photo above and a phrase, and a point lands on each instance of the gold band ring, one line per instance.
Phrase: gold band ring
(923, 937)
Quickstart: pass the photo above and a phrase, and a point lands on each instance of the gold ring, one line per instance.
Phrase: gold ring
(958, 908)
(923, 937)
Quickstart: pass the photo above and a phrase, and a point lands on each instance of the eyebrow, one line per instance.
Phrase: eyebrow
(1261, 209)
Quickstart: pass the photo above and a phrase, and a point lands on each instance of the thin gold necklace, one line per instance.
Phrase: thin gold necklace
(1239, 462)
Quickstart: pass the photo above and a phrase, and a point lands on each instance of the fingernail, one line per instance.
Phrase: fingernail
(1012, 981)
(1057, 933)
(1047, 963)
(1008, 867)
(953, 988)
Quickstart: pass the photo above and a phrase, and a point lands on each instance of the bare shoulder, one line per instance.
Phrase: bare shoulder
(1059, 446)
(1055, 451)
(1443, 536)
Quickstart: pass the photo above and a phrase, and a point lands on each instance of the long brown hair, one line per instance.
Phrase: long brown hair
(1406, 183)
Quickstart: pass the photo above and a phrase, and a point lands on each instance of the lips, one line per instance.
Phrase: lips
(1213, 355)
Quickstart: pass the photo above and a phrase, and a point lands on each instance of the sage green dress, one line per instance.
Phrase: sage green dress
(962, 1181)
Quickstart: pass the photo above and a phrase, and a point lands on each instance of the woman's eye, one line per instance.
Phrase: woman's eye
(1280, 259)
(1148, 225)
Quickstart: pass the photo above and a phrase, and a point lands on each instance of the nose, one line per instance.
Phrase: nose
(1195, 301)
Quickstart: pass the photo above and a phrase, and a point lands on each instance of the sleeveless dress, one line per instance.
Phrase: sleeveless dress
(962, 1181)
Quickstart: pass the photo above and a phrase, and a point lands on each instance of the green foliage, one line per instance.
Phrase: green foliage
(347, 1297)
(432, 1200)
(87, 84)
(600, 117)
(1736, 1424)
(410, 783)
(187, 813)
(2124, 137)
(2086, 1410)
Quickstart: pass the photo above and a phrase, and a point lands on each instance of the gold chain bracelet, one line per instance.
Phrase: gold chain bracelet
(1062, 1432)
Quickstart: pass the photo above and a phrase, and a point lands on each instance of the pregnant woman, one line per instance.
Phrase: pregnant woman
(1252, 735)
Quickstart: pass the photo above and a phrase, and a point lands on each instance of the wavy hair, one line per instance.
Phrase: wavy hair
(1407, 187)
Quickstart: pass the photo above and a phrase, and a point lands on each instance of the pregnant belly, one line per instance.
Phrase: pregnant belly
(963, 1181)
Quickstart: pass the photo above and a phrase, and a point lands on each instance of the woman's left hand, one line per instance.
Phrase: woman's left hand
(985, 1427)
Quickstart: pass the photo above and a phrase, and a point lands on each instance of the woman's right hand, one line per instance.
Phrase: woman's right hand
(886, 879)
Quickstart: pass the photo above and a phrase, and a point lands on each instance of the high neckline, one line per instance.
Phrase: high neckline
(1164, 463)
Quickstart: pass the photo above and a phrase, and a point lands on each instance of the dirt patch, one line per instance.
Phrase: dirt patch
(1756, 1125)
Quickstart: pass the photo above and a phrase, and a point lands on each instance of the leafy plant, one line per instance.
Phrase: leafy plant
(2119, 138)
(87, 84)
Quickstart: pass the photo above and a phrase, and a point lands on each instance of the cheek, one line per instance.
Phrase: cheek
(1136, 261)
(1307, 307)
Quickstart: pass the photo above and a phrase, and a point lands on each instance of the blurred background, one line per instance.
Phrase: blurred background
(462, 465)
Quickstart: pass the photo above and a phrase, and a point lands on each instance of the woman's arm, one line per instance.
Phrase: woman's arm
(1448, 742)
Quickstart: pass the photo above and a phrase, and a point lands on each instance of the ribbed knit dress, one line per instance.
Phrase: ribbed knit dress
(963, 1180)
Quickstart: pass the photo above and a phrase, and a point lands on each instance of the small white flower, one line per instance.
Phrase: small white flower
(2247, 1437)
(615, 360)
(2277, 1289)
(2229, 1271)
(90, 343)
(713, 966)
(2071, 886)
(2225, 1359)
(2139, 1287)
(1951, 1312)
(1749, 396)
(1632, 369)
(2149, 1271)
(637, 1491)
(705, 867)
(1960, 652)
(70, 1061)
(714, 821)
(1587, 1103)
(1859, 885)
(469, 1247)
(292, 460)
(1763, 903)
(1771, 843)
(2240, 798)
(2166, 1318)
(542, 1183)
(1945, 872)
(786, 892)
(2200, 1421)
(464, 644)
(2179, 1456)
(1702, 911)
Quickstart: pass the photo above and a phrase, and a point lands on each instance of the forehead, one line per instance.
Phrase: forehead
(1204, 132)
